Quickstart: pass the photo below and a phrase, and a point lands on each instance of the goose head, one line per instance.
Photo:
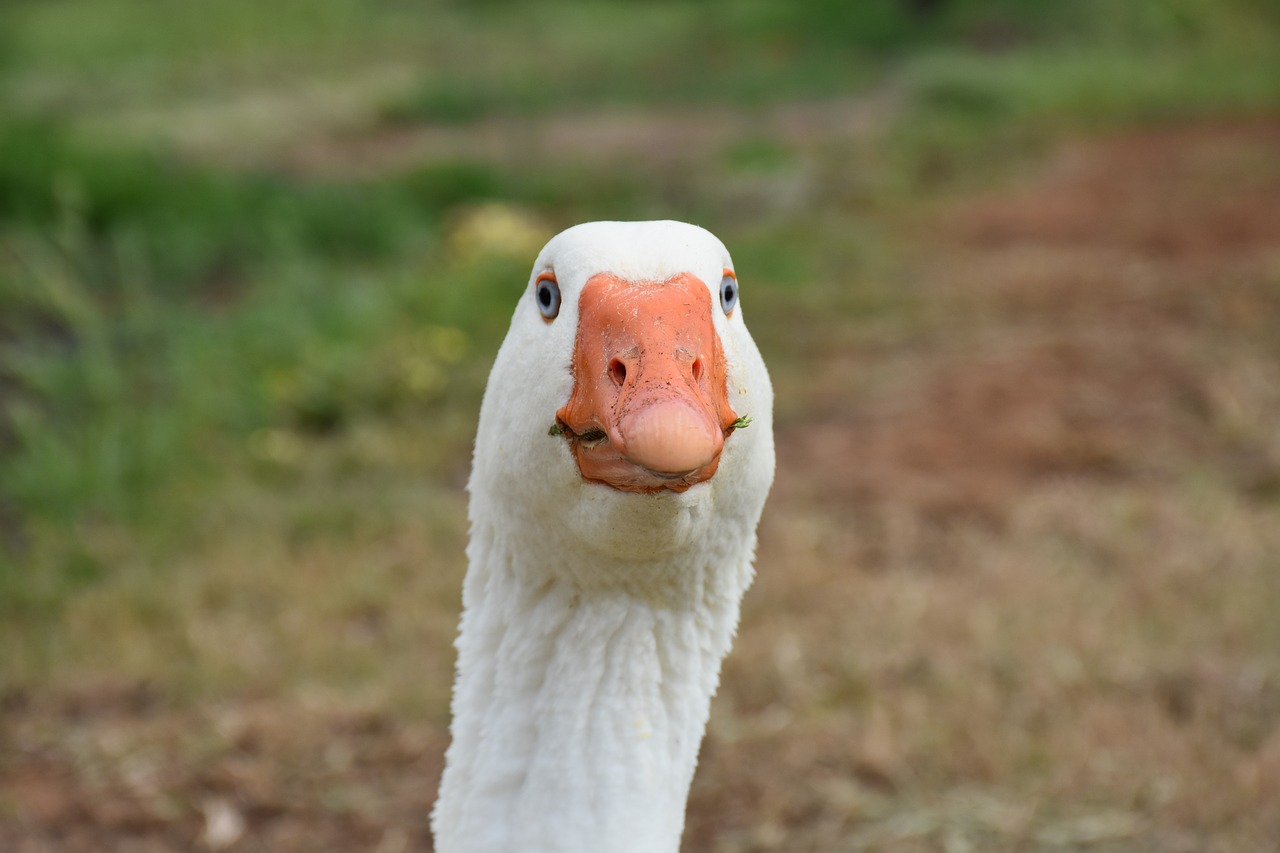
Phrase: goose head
(628, 408)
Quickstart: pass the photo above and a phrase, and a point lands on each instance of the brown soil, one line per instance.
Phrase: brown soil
(1083, 324)
(112, 768)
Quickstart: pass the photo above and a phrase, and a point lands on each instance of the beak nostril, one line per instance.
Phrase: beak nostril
(617, 372)
(697, 370)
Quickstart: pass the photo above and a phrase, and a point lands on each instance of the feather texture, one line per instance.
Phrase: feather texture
(594, 620)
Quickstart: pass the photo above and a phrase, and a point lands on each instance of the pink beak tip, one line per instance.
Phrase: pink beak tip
(669, 437)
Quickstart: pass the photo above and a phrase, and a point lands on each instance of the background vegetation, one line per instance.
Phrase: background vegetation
(1014, 266)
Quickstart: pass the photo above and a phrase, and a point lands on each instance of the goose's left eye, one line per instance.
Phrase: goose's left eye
(728, 292)
(548, 293)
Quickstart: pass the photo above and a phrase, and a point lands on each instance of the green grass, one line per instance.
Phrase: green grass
(255, 261)
(173, 323)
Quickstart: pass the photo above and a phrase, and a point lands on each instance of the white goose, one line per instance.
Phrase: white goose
(614, 503)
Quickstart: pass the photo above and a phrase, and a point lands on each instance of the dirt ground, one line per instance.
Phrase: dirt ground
(1018, 573)
(983, 629)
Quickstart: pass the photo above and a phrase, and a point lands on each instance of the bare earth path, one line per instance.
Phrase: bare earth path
(1018, 581)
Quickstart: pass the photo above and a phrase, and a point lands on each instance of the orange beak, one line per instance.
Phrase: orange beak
(650, 405)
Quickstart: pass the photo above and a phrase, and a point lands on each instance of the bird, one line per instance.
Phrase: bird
(623, 456)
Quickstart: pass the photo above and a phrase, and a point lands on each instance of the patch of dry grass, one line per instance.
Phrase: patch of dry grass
(1022, 595)
(1017, 582)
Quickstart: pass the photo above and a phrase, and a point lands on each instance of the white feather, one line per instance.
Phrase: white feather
(594, 620)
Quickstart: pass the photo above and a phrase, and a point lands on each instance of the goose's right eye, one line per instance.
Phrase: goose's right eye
(728, 292)
(548, 293)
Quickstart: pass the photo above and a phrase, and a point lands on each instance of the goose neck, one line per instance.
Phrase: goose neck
(579, 710)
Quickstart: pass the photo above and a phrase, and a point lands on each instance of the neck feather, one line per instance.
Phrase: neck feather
(579, 708)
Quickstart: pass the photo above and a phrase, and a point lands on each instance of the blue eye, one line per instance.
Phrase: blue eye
(728, 292)
(548, 293)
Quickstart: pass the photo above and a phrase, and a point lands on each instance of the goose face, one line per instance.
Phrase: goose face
(627, 370)
(649, 408)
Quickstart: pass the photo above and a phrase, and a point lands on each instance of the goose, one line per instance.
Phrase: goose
(622, 459)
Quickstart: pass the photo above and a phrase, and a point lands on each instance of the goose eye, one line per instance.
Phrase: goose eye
(548, 293)
(728, 293)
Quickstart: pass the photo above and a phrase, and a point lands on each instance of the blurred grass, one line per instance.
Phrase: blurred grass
(237, 392)
(169, 323)
(255, 263)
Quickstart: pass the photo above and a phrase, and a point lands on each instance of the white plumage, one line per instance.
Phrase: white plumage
(595, 619)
